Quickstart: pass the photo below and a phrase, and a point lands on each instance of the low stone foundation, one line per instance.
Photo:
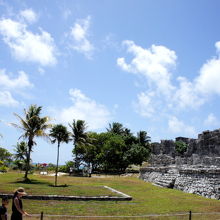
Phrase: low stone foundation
(121, 197)
(204, 181)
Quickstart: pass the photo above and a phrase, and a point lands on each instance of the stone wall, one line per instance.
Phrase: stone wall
(197, 170)
(204, 181)
(205, 150)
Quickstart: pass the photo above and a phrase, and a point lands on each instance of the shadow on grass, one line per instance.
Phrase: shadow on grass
(31, 181)
(65, 185)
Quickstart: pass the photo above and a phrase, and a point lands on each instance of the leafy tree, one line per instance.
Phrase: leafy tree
(181, 147)
(32, 125)
(20, 155)
(113, 153)
(113, 150)
(5, 156)
(95, 155)
(136, 155)
(79, 137)
(87, 153)
(19, 164)
(59, 134)
(51, 167)
(69, 164)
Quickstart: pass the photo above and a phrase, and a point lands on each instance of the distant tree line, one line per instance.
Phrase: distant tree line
(110, 151)
(113, 150)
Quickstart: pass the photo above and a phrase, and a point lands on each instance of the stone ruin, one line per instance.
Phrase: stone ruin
(197, 170)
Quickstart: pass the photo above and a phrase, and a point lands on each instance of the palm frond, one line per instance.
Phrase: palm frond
(23, 122)
(17, 126)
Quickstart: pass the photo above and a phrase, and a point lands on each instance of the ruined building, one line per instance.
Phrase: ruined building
(196, 170)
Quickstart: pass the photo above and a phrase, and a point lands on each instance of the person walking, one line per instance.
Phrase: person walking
(3, 208)
(17, 206)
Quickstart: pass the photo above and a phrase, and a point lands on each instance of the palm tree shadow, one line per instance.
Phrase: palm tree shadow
(31, 181)
(64, 185)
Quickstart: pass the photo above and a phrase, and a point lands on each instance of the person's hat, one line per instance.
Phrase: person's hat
(21, 191)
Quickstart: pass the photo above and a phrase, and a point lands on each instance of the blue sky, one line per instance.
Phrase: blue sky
(152, 65)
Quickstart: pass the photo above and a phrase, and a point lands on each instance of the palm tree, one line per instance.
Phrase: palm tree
(143, 139)
(32, 125)
(20, 151)
(79, 137)
(60, 134)
(116, 128)
(21, 154)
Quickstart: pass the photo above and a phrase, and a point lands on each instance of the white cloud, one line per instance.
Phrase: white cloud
(186, 95)
(211, 120)
(96, 115)
(154, 63)
(10, 85)
(197, 92)
(6, 99)
(179, 127)
(27, 46)
(217, 45)
(208, 80)
(145, 105)
(29, 15)
(22, 81)
(79, 36)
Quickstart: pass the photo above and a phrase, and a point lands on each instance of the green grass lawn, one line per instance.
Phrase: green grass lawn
(147, 199)
(43, 185)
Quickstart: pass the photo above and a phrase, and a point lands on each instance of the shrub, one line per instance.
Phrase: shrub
(181, 147)
(3, 169)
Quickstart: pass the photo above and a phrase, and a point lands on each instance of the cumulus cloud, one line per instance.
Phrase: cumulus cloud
(29, 15)
(177, 126)
(208, 80)
(95, 114)
(197, 92)
(186, 95)
(217, 45)
(156, 64)
(79, 37)
(145, 105)
(211, 120)
(6, 99)
(10, 85)
(25, 45)
(22, 81)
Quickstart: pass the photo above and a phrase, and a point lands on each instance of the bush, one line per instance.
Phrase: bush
(3, 169)
(63, 169)
(181, 147)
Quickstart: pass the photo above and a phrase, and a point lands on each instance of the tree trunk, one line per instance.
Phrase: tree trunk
(76, 158)
(27, 168)
(58, 152)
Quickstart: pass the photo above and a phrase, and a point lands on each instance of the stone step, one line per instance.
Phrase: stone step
(167, 180)
(162, 184)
